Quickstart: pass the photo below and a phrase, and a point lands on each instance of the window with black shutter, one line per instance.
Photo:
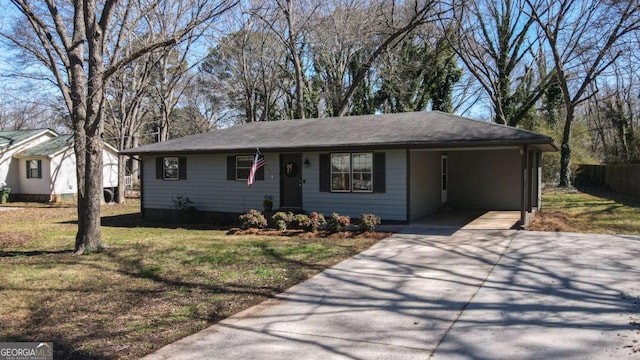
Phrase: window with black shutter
(171, 168)
(352, 172)
(239, 166)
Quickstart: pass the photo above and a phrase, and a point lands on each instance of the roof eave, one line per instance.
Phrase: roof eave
(35, 135)
(545, 146)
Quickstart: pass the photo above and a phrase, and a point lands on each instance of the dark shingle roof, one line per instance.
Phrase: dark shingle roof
(405, 130)
(50, 147)
(13, 137)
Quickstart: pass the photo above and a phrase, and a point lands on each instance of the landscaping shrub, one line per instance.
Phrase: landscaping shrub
(338, 222)
(186, 211)
(282, 220)
(253, 220)
(300, 221)
(315, 222)
(368, 222)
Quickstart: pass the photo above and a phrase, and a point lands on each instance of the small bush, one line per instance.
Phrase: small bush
(315, 222)
(186, 211)
(368, 222)
(338, 222)
(282, 220)
(300, 221)
(182, 202)
(253, 220)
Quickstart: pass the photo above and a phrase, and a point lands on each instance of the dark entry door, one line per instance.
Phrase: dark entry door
(291, 181)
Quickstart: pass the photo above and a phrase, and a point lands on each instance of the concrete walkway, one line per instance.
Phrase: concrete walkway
(444, 291)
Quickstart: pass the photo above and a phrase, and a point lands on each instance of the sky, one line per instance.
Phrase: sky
(19, 88)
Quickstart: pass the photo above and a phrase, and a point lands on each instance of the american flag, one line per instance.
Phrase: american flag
(258, 161)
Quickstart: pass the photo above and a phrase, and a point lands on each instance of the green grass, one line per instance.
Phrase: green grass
(151, 286)
(594, 211)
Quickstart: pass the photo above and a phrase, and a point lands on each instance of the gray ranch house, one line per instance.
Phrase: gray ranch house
(398, 166)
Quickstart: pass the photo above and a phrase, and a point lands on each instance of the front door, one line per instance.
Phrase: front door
(291, 181)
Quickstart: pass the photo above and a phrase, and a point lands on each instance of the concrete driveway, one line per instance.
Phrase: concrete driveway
(448, 291)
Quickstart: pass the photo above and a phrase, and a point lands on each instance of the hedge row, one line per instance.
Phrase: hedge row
(313, 222)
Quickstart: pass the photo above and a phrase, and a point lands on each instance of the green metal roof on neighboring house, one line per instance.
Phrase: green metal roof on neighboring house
(13, 137)
(50, 147)
(432, 129)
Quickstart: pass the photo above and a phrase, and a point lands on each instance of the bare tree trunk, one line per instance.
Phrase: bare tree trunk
(565, 149)
(295, 58)
(122, 168)
(77, 66)
(421, 16)
(90, 239)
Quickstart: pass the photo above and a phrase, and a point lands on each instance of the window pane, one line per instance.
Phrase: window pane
(340, 172)
(242, 173)
(171, 168)
(340, 182)
(340, 163)
(243, 166)
(33, 171)
(244, 161)
(362, 182)
(362, 172)
(362, 162)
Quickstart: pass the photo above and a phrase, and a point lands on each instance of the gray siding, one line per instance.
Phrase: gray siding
(390, 205)
(425, 195)
(485, 179)
(478, 179)
(207, 185)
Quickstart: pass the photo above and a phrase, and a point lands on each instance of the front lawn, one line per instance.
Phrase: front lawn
(153, 285)
(595, 211)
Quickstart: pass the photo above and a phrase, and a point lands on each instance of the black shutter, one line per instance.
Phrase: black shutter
(231, 167)
(379, 181)
(325, 173)
(260, 173)
(182, 168)
(39, 169)
(159, 168)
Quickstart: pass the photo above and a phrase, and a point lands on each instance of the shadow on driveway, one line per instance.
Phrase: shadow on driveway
(434, 293)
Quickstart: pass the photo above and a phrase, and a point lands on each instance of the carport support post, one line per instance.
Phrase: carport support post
(523, 186)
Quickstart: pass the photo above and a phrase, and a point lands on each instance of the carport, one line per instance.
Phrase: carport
(490, 178)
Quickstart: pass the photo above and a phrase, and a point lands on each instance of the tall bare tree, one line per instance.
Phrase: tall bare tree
(397, 20)
(248, 70)
(128, 104)
(613, 114)
(341, 35)
(584, 38)
(289, 21)
(68, 39)
(496, 42)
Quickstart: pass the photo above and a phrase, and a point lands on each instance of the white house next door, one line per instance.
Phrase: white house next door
(443, 177)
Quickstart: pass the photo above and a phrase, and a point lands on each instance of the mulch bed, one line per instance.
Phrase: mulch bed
(308, 234)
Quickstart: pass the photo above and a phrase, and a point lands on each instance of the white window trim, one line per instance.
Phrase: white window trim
(250, 157)
(331, 173)
(164, 168)
(350, 190)
(360, 172)
(31, 169)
